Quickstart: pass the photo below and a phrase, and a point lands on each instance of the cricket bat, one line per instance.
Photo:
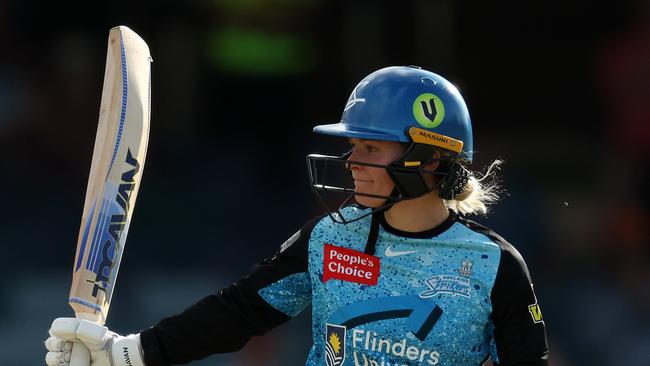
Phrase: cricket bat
(115, 174)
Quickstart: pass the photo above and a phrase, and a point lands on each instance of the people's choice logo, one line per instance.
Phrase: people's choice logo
(428, 110)
(349, 265)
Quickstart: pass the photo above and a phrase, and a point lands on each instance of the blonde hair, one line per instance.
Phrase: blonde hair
(481, 191)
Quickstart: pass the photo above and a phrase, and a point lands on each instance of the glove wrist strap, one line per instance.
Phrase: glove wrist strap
(127, 351)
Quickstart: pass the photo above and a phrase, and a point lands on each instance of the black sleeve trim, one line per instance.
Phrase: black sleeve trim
(520, 339)
(224, 322)
(153, 356)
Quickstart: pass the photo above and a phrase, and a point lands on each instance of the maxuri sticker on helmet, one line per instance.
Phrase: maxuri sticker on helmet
(421, 136)
(349, 265)
(428, 110)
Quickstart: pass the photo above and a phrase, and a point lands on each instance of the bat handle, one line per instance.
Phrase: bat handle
(80, 355)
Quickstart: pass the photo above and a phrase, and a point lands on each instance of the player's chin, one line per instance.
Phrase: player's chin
(369, 201)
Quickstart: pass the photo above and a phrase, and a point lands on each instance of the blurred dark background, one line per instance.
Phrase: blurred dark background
(559, 89)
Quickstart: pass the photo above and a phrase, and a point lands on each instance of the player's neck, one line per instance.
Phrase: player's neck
(419, 214)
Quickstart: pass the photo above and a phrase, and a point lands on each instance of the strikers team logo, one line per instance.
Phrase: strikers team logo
(447, 284)
(466, 268)
(334, 344)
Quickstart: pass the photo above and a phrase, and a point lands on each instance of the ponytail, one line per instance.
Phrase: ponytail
(480, 192)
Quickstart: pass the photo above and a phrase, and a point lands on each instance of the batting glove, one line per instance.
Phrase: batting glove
(106, 348)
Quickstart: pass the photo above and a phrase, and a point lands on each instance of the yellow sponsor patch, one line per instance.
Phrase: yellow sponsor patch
(421, 136)
(536, 313)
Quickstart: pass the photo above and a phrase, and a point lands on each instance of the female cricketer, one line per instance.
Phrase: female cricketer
(396, 275)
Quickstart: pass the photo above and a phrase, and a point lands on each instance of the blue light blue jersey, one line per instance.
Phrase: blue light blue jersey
(454, 295)
(453, 270)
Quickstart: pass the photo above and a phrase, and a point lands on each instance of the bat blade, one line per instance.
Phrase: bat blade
(115, 173)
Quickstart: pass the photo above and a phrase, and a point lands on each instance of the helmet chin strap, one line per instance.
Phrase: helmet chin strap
(391, 200)
(393, 197)
(341, 219)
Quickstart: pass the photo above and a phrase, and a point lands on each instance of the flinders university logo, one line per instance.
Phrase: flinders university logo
(334, 344)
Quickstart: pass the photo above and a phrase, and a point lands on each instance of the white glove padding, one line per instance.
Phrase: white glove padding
(106, 348)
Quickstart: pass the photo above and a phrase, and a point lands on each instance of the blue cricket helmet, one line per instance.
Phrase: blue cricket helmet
(400, 103)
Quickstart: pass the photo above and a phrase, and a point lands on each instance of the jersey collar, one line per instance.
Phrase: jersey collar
(453, 217)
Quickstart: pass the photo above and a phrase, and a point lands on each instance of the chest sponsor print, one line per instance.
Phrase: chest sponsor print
(334, 344)
(371, 348)
(349, 265)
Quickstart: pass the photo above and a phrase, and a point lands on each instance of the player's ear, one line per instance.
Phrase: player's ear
(435, 161)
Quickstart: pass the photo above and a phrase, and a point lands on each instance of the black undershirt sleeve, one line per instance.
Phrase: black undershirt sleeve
(519, 330)
(225, 321)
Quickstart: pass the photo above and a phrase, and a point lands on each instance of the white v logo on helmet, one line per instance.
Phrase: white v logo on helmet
(353, 98)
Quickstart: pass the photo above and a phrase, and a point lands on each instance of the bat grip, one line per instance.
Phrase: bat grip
(80, 355)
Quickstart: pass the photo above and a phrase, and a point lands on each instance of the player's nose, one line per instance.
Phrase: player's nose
(352, 157)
